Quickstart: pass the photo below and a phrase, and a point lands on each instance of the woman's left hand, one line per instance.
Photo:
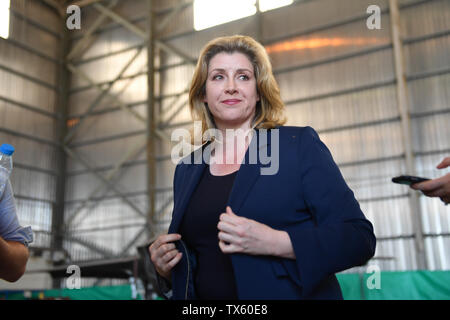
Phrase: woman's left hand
(239, 234)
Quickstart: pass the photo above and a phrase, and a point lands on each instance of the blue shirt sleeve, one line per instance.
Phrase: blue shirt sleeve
(10, 229)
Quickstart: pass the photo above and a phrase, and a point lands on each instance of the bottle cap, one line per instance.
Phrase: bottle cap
(7, 149)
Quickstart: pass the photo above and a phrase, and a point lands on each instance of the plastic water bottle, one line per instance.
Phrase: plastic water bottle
(6, 165)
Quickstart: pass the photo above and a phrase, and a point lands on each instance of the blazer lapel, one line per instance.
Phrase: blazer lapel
(193, 173)
(248, 173)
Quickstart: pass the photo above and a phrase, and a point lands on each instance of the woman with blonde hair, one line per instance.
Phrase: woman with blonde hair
(269, 109)
(266, 214)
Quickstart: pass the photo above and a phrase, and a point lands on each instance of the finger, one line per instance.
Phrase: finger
(226, 227)
(172, 263)
(429, 185)
(230, 216)
(229, 211)
(171, 237)
(222, 246)
(175, 260)
(444, 163)
(225, 217)
(414, 186)
(163, 239)
(169, 256)
(228, 238)
(157, 254)
(440, 192)
(164, 249)
(228, 248)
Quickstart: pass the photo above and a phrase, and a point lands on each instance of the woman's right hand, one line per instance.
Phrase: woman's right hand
(164, 254)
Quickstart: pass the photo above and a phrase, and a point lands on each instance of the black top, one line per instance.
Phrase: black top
(214, 277)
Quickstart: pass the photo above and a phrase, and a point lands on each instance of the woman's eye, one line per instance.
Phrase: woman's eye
(243, 77)
(217, 77)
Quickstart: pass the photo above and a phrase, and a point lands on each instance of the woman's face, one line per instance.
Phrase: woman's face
(231, 91)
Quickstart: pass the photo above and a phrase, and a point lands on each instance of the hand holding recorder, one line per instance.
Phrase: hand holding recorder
(439, 187)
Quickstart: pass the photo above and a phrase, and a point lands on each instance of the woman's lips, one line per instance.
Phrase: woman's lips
(231, 101)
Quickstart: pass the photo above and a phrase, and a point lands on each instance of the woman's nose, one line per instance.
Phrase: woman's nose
(230, 87)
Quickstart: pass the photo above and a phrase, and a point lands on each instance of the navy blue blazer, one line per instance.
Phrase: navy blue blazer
(307, 197)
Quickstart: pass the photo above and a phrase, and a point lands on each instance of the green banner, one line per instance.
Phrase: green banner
(406, 285)
(121, 292)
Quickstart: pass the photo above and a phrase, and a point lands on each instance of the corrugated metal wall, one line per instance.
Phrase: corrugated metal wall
(28, 64)
(108, 136)
(340, 80)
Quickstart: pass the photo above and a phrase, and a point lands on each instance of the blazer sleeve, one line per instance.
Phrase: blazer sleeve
(342, 237)
(164, 286)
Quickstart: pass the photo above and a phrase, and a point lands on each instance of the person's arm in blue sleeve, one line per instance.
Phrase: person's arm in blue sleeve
(14, 239)
(343, 237)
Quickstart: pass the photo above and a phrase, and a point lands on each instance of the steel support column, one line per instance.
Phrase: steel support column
(61, 107)
(259, 25)
(151, 116)
(403, 105)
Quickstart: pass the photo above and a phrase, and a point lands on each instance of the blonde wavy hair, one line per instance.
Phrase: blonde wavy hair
(270, 109)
